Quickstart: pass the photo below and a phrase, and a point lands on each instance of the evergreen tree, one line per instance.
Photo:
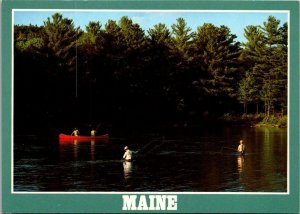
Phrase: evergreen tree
(92, 39)
(160, 34)
(251, 56)
(91, 49)
(266, 53)
(188, 75)
(159, 72)
(276, 76)
(134, 49)
(181, 57)
(217, 56)
(28, 38)
(61, 37)
(247, 92)
(181, 40)
(160, 62)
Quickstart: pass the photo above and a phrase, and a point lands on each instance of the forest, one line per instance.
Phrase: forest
(117, 76)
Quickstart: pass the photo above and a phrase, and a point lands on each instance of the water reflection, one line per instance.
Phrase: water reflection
(240, 163)
(75, 149)
(127, 166)
(180, 164)
(92, 150)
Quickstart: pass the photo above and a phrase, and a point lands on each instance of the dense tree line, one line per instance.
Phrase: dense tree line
(117, 74)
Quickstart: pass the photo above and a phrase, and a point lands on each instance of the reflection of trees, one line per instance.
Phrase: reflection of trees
(267, 159)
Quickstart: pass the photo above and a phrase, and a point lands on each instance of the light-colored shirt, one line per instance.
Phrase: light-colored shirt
(241, 148)
(127, 155)
(75, 132)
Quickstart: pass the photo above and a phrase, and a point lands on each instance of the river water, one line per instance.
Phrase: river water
(201, 162)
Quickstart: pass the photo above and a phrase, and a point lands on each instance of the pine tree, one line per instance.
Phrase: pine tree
(247, 92)
(181, 58)
(160, 48)
(251, 56)
(91, 48)
(29, 38)
(217, 55)
(276, 77)
(160, 34)
(159, 72)
(181, 39)
(266, 54)
(61, 37)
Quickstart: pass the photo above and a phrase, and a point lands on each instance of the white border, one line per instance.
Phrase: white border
(150, 11)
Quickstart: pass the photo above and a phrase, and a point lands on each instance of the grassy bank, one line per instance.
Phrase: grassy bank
(257, 120)
(274, 121)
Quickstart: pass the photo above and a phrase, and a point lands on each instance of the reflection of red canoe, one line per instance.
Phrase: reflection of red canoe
(63, 137)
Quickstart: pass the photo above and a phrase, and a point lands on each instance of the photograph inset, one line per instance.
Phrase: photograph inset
(150, 101)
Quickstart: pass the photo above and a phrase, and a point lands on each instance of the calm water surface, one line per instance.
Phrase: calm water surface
(201, 163)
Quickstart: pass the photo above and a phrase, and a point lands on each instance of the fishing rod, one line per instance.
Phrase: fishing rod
(155, 147)
(146, 146)
(224, 147)
(229, 148)
(97, 127)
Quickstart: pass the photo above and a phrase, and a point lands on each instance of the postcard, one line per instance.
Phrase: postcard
(150, 106)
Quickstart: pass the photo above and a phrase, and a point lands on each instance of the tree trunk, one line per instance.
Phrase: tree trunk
(268, 109)
(245, 108)
(256, 108)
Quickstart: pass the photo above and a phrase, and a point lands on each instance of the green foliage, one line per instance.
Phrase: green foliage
(92, 35)
(275, 120)
(217, 54)
(35, 43)
(283, 121)
(266, 55)
(181, 39)
(164, 75)
(29, 38)
(160, 34)
(61, 37)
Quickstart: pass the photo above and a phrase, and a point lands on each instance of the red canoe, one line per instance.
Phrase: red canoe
(63, 137)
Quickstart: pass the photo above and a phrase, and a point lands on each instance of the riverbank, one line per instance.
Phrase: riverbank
(257, 120)
(274, 121)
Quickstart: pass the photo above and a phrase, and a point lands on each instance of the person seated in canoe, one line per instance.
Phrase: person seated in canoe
(75, 132)
(93, 133)
(241, 148)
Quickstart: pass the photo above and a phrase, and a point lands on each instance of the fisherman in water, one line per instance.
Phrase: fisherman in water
(241, 148)
(75, 132)
(128, 154)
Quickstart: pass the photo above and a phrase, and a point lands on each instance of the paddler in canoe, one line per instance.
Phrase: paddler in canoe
(241, 148)
(75, 132)
(93, 132)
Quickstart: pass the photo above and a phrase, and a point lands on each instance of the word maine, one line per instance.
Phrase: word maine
(149, 202)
